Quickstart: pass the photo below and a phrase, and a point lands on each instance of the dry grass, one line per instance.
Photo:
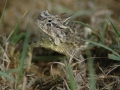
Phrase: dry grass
(54, 75)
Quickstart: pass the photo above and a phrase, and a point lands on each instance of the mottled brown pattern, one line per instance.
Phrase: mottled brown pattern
(60, 34)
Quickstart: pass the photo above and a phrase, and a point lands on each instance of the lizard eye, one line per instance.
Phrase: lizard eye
(49, 20)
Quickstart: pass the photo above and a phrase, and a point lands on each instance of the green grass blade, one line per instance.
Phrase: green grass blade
(23, 56)
(3, 12)
(101, 45)
(12, 70)
(81, 13)
(71, 77)
(83, 24)
(115, 29)
(16, 31)
(91, 70)
(103, 32)
(18, 37)
(7, 76)
(87, 26)
(113, 57)
(48, 58)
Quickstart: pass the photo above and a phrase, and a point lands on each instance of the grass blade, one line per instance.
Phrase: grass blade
(113, 57)
(91, 70)
(81, 13)
(6, 75)
(114, 28)
(18, 37)
(83, 24)
(12, 70)
(3, 12)
(87, 26)
(23, 56)
(101, 45)
(16, 31)
(71, 77)
(103, 32)
(48, 58)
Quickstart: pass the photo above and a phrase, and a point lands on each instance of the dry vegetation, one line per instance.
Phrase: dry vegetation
(54, 74)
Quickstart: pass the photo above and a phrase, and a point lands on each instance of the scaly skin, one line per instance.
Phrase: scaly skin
(60, 35)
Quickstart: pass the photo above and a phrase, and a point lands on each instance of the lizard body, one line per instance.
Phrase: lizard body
(59, 35)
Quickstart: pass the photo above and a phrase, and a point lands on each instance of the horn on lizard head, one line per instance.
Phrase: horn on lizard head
(64, 18)
(43, 15)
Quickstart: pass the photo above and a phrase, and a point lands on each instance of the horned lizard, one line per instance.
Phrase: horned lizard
(60, 35)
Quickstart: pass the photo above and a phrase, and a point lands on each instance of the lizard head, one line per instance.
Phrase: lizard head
(53, 25)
